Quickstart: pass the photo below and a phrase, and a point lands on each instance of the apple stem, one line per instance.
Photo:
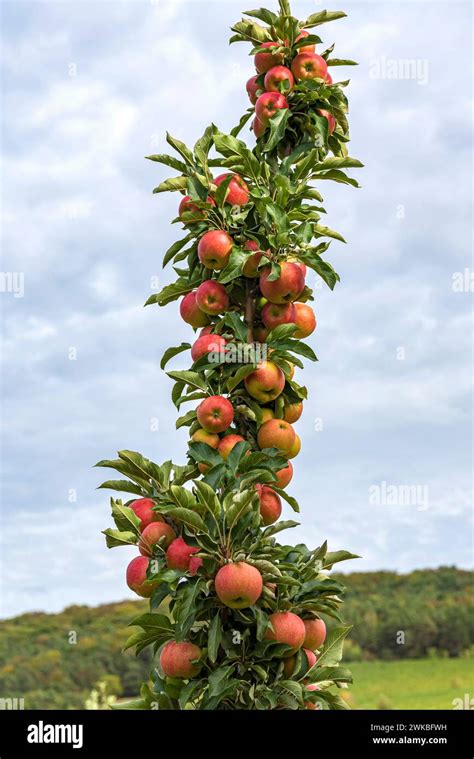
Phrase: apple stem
(249, 313)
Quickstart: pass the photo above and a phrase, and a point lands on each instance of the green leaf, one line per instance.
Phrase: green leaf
(268, 17)
(327, 232)
(123, 486)
(341, 62)
(171, 352)
(278, 124)
(193, 379)
(186, 420)
(335, 556)
(214, 638)
(240, 375)
(124, 517)
(278, 527)
(174, 249)
(208, 498)
(168, 160)
(322, 17)
(182, 286)
(234, 268)
(332, 651)
(114, 538)
(326, 272)
(174, 184)
(234, 321)
(180, 148)
(288, 498)
(189, 518)
(203, 145)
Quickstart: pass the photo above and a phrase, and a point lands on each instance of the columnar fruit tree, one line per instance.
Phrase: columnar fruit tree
(238, 620)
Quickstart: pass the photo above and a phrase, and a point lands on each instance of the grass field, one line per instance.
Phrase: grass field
(410, 684)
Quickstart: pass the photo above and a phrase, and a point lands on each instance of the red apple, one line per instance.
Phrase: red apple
(315, 633)
(284, 476)
(252, 89)
(179, 554)
(330, 119)
(289, 665)
(311, 704)
(309, 66)
(266, 383)
(201, 436)
(267, 414)
(215, 414)
(328, 78)
(287, 628)
(152, 534)
(143, 508)
(295, 448)
(276, 433)
(207, 344)
(292, 412)
(179, 659)
(251, 265)
(306, 48)
(274, 314)
(268, 104)
(187, 206)
(191, 313)
(238, 585)
(214, 249)
(260, 333)
(137, 579)
(211, 297)
(277, 76)
(270, 504)
(237, 191)
(227, 443)
(288, 287)
(258, 127)
(265, 61)
(304, 319)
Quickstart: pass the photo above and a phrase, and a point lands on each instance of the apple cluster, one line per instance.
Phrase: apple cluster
(267, 90)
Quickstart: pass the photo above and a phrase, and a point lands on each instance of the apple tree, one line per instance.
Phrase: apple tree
(237, 620)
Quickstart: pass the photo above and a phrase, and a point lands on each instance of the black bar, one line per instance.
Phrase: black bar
(129, 733)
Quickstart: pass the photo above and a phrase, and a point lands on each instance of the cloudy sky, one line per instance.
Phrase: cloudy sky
(88, 89)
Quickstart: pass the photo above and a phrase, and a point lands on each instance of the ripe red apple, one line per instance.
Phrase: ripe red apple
(176, 659)
(214, 249)
(251, 265)
(191, 313)
(215, 414)
(201, 436)
(274, 314)
(227, 443)
(276, 433)
(137, 579)
(212, 297)
(270, 504)
(252, 89)
(288, 287)
(258, 127)
(287, 628)
(315, 633)
(152, 534)
(295, 448)
(292, 412)
(207, 344)
(306, 48)
(330, 119)
(277, 76)
(265, 61)
(304, 319)
(237, 191)
(268, 104)
(266, 383)
(309, 66)
(143, 508)
(187, 206)
(179, 554)
(289, 665)
(238, 585)
(284, 476)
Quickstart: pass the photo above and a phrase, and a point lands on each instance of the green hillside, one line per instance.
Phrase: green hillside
(53, 660)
